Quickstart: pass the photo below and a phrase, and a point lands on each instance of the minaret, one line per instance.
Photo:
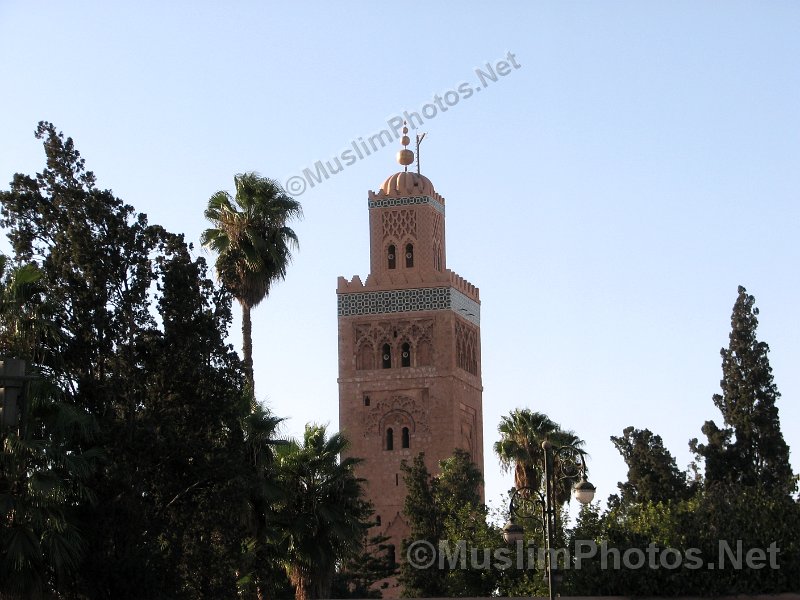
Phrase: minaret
(409, 347)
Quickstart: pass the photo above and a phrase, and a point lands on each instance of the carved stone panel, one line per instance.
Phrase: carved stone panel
(370, 338)
(398, 410)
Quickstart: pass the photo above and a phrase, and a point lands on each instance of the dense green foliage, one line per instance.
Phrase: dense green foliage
(681, 538)
(162, 392)
(653, 475)
(742, 507)
(140, 467)
(323, 518)
(46, 460)
(446, 507)
(365, 575)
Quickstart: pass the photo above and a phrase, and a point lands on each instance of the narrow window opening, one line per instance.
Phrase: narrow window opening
(387, 356)
(389, 439)
(405, 437)
(405, 356)
(409, 255)
(366, 400)
(391, 257)
(396, 479)
(378, 520)
(390, 554)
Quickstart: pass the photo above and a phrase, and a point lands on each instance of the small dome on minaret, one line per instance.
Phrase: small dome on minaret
(408, 184)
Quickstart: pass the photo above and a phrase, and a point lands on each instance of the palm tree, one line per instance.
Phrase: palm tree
(323, 512)
(520, 447)
(253, 244)
(260, 569)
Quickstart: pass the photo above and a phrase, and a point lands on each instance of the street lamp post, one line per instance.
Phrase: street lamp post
(571, 464)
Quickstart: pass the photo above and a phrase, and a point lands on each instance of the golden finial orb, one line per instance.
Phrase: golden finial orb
(405, 156)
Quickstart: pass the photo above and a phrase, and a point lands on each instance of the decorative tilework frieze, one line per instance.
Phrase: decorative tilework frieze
(406, 201)
(396, 301)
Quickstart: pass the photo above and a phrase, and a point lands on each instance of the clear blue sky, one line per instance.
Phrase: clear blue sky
(607, 197)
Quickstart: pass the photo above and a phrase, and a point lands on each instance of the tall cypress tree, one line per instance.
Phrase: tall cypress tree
(750, 449)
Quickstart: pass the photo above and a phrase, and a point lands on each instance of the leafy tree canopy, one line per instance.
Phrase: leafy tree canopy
(653, 475)
(446, 507)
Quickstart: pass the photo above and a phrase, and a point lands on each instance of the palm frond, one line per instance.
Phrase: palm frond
(251, 236)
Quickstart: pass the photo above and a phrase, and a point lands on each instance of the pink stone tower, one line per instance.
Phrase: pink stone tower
(409, 347)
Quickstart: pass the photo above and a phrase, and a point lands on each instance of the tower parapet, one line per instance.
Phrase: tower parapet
(355, 284)
(464, 286)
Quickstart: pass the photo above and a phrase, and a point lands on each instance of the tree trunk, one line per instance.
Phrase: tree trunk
(247, 348)
(301, 587)
(311, 584)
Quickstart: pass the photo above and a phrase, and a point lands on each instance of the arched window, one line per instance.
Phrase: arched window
(405, 437)
(391, 257)
(389, 439)
(405, 356)
(387, 356)
(409, 255)
(378, 520)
